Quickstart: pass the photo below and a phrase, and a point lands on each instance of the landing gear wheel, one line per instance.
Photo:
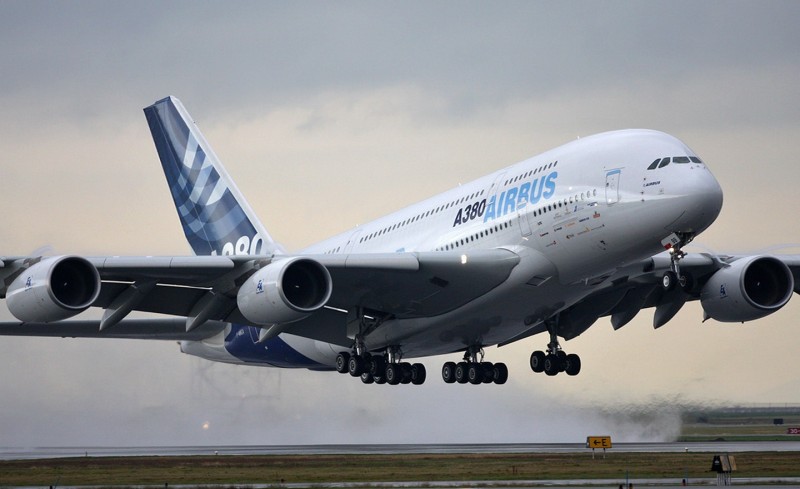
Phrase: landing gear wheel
(449, 372)
(405, 368)
(573, 364)
(461, 372)
(686, 281)
(500, 372)
(377, 365)
(475, 373)
(562, 359)
(537, 361)
(669, 280)
(379, 380)
(552, 365)
(367, 378)
(488, 372)
(342, 360)
(355, 365)
(394, 374)
(418, 374)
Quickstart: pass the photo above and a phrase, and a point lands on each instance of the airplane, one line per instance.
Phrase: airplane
(594, 228)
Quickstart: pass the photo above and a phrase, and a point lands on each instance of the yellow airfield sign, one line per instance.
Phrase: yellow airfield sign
(598, 442)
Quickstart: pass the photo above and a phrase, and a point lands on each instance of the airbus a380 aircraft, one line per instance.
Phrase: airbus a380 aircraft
(547, 245)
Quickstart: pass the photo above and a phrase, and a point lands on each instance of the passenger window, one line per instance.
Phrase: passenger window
(664, 162)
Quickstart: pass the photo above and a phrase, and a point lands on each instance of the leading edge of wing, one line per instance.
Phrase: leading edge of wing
(142, 329)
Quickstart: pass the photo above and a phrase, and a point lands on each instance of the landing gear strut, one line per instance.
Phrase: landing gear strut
(555, 360)
(673, 277)
(474, 370)
(377, 367)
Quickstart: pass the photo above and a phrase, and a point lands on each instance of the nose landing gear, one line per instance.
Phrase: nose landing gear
(673, 277)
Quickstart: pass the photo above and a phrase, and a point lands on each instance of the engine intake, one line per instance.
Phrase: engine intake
(285, 291)
(54, 289)
(751, 288)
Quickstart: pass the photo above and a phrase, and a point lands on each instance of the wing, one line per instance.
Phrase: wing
(731, 288)
(205, 292)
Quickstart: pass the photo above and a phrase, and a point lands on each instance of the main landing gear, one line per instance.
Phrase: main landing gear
(473, 370)
(555, 360)
(381, 368)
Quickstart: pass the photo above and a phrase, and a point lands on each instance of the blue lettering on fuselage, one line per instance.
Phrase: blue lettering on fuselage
(510, 200)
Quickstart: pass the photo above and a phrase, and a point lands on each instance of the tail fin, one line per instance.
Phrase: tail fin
(215, 216)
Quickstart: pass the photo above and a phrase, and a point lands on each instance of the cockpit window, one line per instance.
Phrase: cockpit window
(662, 162)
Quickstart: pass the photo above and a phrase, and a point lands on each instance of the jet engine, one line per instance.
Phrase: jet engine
(54, 289)
(750, 288)
(284, 291)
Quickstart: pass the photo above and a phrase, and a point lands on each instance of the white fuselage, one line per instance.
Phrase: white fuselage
(581, 211)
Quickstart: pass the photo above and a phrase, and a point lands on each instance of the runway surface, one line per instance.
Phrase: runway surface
(17, 453)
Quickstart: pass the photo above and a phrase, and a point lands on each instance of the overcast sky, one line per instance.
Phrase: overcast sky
(330, 114)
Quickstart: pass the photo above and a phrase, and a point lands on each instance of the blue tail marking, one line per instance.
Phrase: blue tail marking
(216, 218)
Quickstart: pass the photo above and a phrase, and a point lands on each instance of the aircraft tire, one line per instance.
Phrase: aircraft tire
(405, 368)
(475, 373)
(377, 365)
(573, 366)
(342, 360)
(668, 281)
(418, 374)
(355, 365)
(686, 281)
(537, 361)
(367, 378)
(552, 365)
(393, 374)
(379, 379)
(500, 373)
(461, 372)
(487, 373)
(449, 372)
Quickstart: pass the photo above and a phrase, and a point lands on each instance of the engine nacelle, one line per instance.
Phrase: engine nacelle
(285, 291)
(750, 288)
(54, 289)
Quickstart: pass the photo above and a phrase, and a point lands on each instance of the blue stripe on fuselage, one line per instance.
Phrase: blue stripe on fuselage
(242, 343)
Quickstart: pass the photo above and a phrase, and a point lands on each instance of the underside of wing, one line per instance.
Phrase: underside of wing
(312, 293)
(149, 329)
(731, 288)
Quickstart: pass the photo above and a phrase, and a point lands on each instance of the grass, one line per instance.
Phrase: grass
(317, 469)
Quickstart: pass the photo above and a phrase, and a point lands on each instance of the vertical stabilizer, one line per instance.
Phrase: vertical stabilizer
(216, 218)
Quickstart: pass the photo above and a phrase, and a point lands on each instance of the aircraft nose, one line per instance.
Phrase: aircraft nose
(702, 202)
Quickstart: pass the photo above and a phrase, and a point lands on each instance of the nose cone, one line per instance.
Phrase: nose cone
(701, 201)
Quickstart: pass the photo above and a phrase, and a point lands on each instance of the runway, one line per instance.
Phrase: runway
(19, 453)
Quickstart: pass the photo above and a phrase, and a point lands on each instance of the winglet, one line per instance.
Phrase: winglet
(216, 218)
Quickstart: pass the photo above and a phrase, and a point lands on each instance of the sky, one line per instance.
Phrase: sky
(330, 114)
